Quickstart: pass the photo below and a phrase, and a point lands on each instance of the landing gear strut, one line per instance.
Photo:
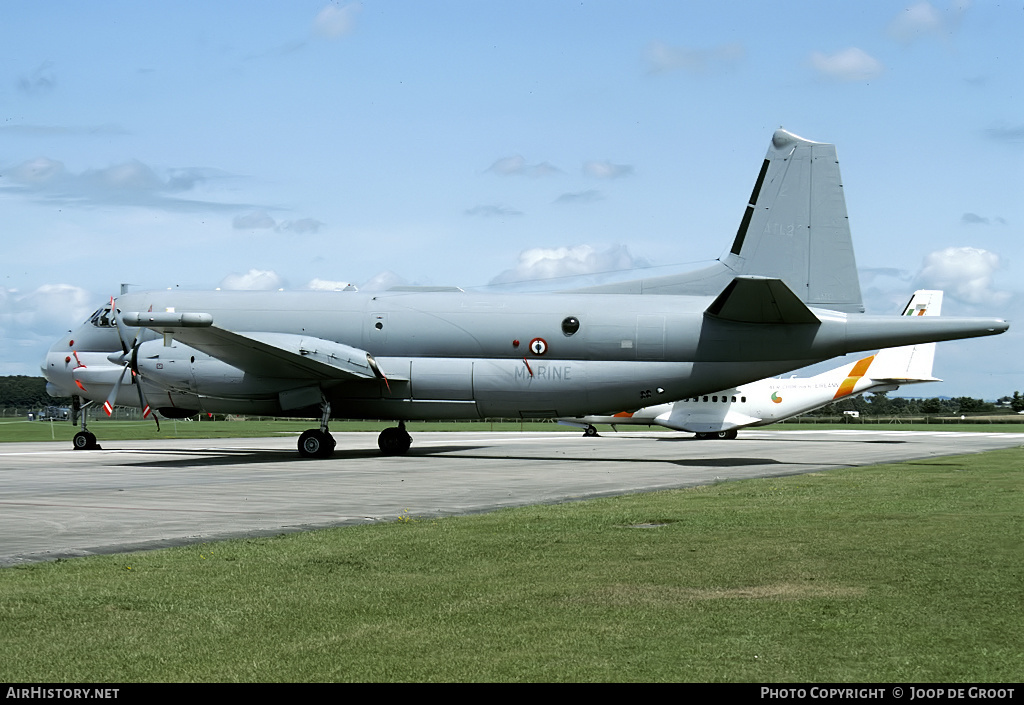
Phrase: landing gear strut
(394, 440)
(318, 442)
(84, 440)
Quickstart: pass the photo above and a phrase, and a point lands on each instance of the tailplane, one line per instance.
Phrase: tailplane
(794, 228)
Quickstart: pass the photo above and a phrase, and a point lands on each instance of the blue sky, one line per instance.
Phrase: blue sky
(309, 144)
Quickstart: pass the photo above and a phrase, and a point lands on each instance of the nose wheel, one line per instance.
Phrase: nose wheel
(84, 440)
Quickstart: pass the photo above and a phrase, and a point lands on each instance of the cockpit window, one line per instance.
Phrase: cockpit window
(102, 318)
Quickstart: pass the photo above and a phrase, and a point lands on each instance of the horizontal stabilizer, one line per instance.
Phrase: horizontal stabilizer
(760, 300)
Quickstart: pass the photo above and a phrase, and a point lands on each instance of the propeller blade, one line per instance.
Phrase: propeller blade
(144, 405)
(108, 405)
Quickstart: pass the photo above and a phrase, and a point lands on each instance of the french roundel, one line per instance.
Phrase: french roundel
(538, 346)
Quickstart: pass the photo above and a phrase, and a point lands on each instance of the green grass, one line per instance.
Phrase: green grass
(903, 573)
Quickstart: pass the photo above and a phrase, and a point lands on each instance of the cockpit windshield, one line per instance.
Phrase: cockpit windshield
(102, 318)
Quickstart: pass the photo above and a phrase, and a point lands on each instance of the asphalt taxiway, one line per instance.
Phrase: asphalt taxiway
(56, 502)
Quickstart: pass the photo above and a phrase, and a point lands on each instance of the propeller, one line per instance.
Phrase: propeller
(130, 358)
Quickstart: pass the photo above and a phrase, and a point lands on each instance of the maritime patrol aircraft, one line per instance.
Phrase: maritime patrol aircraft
(785, 296)
(768, 401)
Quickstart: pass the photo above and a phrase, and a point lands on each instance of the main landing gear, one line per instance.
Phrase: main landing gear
(719, 435)
(590, 431)
(394, 440)
(318, 442)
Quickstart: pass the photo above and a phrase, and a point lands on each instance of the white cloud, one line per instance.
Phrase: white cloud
(31, 323)
(607, 170)
(551, 263)
(965, 273)
(333, 22)
(848, 65)
(923, 20)
(130, 183)
(49, 310)
(327, 285)
(254, 279)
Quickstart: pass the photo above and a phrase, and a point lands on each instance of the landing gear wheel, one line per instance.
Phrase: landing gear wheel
(701, 436)
(725, 435)
(590, 431)
(394, 441)
(84, 440)
(315, 443)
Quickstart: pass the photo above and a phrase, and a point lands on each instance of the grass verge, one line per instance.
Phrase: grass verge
(901, 573)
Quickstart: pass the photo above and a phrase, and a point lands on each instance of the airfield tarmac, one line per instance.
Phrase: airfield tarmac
(57, 503)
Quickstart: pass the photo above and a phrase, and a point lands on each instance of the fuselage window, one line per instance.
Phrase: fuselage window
(705, 398)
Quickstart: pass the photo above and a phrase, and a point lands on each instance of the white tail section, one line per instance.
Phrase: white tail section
(911, 362)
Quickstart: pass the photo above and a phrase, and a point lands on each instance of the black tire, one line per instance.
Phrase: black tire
(590, 431)
(700, 436)
(314, 443)
(394, 441)
(84, 440)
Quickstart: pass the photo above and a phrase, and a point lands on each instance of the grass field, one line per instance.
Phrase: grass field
(901, 573)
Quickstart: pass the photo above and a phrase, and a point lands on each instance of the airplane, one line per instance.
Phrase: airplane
(785, 296)
(768, 401)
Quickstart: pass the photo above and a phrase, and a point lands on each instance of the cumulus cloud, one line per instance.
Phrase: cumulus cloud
(130, 183)
(924, 20)
(849, 65)
(553, 262)
(965, 273)
(607, 170)
(492, 212)
(254, 280)
(334, 22)
(327, 285)
(517, 166)
(31, 322)
(662, 58)
(49, 309)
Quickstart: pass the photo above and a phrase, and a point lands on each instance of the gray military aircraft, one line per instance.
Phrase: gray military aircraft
(785, 296)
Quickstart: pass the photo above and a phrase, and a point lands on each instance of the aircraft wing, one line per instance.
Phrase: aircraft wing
(281, 355)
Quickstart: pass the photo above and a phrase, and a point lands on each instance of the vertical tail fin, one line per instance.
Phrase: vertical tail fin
(794, 228)
(911, 362)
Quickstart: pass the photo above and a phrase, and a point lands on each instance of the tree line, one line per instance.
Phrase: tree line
(30, 392)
